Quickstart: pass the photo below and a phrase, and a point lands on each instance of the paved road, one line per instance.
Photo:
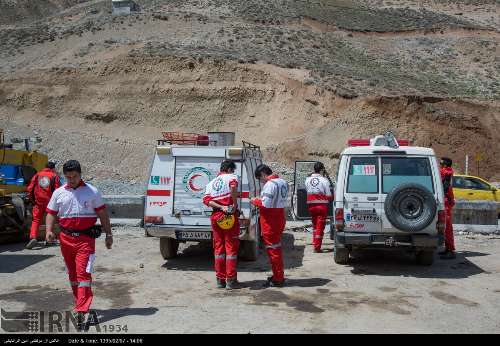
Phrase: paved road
(378, 292)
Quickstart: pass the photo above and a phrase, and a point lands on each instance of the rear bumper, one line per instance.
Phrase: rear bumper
(345, 239)
(171, 231)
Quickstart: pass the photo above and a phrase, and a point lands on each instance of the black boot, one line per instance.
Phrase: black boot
(233, 284)
(32, 243)
(445, 252)
(448, 256)
(221, 283)
(271, 283)
(80, 320)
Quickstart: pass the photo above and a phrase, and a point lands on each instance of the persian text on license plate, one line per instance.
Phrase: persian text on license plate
(182, 235)
(365, 218)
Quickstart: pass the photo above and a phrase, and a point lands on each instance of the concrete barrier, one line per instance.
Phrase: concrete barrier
(475, 213)
(125, 206)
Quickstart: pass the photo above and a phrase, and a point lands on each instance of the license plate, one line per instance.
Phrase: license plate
(184, 235)
(365, 218)
(391, 242)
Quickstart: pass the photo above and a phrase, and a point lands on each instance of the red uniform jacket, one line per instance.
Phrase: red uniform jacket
(447, 179)
(42, 185)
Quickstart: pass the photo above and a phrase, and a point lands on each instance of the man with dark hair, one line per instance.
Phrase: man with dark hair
(77, 205)
(40, 190)
(72, 166)
(449, 202)
(222, 195)
(272, 202)
(319, 195)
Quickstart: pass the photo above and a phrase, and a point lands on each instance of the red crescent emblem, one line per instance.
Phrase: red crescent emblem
(191, 186)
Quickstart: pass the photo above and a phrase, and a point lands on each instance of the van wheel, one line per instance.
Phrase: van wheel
(425, 257)
(341, 255)
(168, 247)
(249, 250)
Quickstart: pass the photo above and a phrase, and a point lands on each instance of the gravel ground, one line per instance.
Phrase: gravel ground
(378, 292)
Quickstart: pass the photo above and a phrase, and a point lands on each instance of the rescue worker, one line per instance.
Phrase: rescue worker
(449, 202)
(272, 204)
(319, 195)
(222, 195)
(77, 205)
(40, 190)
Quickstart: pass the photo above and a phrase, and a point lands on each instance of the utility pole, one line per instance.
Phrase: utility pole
(478, 159)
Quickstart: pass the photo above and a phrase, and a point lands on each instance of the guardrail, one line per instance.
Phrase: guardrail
(467, 215)
(125, 206)
(475, 213)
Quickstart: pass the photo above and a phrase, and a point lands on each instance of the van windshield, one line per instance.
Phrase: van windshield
(400, 170)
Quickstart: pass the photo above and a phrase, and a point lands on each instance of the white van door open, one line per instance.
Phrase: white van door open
(300, 210)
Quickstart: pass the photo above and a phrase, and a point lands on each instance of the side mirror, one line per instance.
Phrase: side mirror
(494, 189)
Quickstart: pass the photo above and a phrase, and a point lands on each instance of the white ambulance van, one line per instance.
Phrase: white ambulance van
(182, 166)
(388, 194)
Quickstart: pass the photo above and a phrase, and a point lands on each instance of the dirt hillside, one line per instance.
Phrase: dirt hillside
(297, 77)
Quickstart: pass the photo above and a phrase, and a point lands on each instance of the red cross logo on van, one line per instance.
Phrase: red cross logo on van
(196, 179)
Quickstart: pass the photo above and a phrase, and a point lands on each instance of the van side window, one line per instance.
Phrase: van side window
(400, 170)
(363, 175)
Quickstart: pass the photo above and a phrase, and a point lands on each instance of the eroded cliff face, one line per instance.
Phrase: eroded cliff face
(101, 88)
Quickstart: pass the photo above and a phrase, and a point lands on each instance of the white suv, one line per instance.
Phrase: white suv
(388, 194)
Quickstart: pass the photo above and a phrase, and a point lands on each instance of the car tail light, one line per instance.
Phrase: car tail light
(153, 219)
(403, 142)
(358, 142)
(339, 219)
(441, 223)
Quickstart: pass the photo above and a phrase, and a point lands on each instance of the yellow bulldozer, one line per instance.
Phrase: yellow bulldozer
(17, 167)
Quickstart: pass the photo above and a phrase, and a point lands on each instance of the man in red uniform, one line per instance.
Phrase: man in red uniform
(77, 205)
(222, 195)
(272, 204)
(40, 190)
(319, 195)
(449, 201)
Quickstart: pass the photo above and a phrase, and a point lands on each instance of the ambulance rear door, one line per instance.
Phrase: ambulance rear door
(195, 167)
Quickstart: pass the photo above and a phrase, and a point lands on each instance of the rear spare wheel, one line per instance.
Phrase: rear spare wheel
(410, 207)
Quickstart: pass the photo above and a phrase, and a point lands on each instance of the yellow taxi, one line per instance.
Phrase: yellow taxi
(473, 188)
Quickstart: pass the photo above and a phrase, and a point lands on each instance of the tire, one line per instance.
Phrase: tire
(341, 255)
(249, 250)
(18, 232)
(168, 247)
(410, 207)
(18, 202)
(425, 257)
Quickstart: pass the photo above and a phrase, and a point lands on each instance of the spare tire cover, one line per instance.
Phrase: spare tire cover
(410, 207)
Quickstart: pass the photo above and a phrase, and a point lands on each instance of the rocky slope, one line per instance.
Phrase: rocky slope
(297, 77)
